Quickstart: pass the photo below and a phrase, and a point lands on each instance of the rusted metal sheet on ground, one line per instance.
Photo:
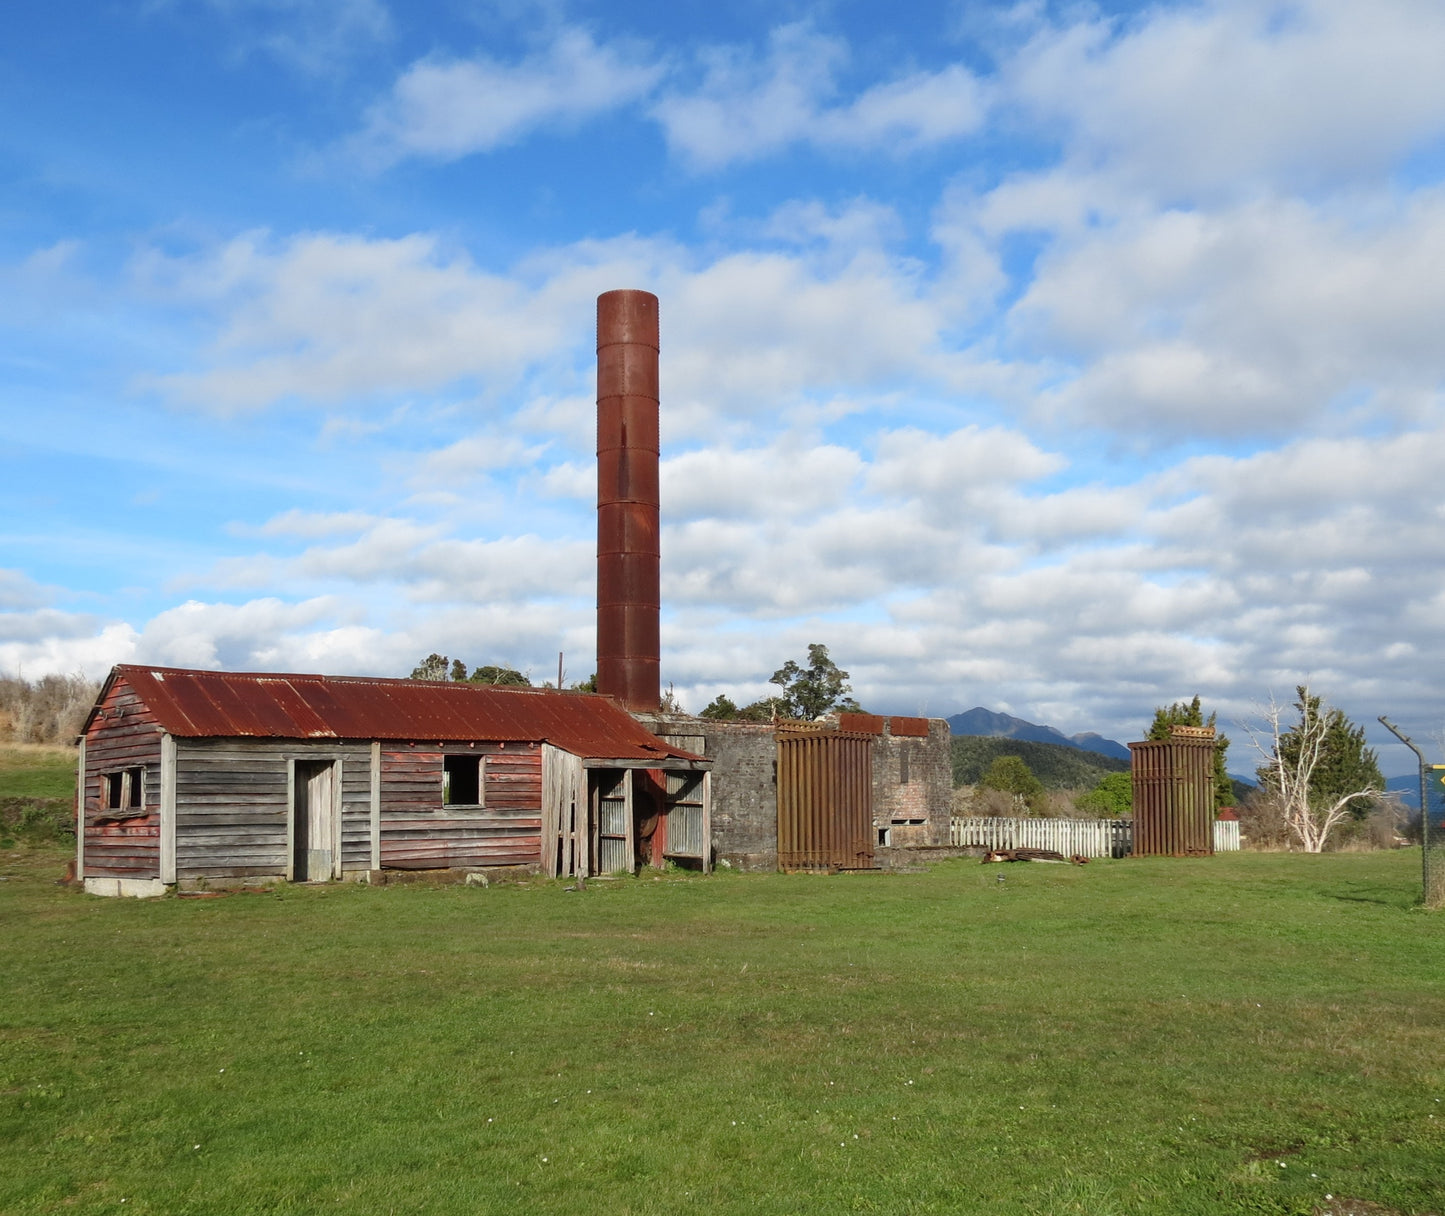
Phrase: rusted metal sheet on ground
(199, 704)
(825, 801)
(628, 533)
(1173, 796)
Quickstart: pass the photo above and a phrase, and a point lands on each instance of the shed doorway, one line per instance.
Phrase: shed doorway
(314, 821)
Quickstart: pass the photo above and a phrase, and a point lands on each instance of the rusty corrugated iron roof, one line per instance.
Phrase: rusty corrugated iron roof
(234, 704)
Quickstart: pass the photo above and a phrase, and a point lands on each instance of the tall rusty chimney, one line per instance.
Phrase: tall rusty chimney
(628, 552)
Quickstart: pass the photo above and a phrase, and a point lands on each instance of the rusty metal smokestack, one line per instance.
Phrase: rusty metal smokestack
(628, 553)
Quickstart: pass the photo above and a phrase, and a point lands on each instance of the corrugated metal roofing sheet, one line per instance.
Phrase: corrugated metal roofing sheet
(228, 704)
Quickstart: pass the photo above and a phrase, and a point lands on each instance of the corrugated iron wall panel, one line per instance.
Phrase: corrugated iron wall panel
(1173, 797)
(825, 805)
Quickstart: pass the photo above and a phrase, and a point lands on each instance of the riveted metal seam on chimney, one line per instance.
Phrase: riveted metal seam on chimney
(629, 555)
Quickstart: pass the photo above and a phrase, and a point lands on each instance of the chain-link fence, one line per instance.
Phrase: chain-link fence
(1432, 837)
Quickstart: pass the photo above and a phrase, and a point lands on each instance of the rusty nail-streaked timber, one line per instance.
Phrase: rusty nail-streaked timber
(628, 548)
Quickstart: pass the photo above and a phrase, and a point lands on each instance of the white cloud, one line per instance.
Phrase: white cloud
(19, 590)
(36, 644)
(1258, 318)
(328, 318)
(312, 36)
(309, 525)
(745, 109)
(1224, 97)
(443, 109)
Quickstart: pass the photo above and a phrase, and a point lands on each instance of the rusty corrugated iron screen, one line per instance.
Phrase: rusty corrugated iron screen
(825, 801)
(1173, 797)
(913, 728)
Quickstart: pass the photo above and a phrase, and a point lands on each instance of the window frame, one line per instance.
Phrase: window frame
(452, 760)
(123, 791)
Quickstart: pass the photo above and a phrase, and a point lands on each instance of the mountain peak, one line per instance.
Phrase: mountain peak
(988, 724)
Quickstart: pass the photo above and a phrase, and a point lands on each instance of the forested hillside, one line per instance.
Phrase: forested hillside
(1056, 765)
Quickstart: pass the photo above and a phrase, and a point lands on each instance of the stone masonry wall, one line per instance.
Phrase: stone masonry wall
(913, 787)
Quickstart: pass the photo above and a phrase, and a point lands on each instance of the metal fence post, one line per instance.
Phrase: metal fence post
(1432, 873)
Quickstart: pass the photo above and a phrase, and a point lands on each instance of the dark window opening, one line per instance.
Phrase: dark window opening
(462, 781)
(123, 791)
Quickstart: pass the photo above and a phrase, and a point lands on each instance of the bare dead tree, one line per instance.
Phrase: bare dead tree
(1294, 756)
(50, 709)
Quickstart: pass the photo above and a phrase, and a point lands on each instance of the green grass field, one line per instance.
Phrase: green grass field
(36, 770)
(1248, 1033)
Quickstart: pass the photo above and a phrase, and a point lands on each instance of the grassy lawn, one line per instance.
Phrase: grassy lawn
(36, 770)
(1243, 1034)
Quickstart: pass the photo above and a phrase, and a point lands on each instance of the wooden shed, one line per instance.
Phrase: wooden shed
(220, 777)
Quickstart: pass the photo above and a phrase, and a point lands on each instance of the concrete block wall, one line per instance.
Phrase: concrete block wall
(744, 784)
(912, 785)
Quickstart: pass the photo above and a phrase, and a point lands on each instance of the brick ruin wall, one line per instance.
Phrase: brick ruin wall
(912, 786)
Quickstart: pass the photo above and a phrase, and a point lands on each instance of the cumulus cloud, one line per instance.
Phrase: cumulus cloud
(443, 109)
(745, 108)
(325, 317)
(1222, 98)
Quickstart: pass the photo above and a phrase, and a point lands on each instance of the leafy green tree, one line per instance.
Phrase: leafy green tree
(440, 668)
(433, 667)
(810, 692)
(1010, 775)
(587, 685)
(492, 674)
(1112, 797)
(722, 708)
(1180, 714)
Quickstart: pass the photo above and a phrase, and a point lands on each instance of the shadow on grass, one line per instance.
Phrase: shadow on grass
(1386, 897)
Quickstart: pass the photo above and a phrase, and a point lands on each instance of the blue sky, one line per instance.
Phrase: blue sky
(1063, 359)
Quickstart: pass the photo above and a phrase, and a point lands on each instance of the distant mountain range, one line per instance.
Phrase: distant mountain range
(989, 725)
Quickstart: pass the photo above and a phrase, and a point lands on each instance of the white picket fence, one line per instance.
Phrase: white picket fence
(1085, 837)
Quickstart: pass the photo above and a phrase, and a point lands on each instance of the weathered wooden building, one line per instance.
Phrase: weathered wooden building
(218, 777)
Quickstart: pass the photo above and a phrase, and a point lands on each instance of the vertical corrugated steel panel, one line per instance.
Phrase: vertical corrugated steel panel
(1173, 797)
(825, 803)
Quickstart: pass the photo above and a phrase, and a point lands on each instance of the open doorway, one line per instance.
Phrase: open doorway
(313, 821)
